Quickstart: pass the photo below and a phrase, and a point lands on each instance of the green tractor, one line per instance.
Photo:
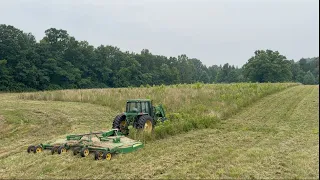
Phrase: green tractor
(141, 114)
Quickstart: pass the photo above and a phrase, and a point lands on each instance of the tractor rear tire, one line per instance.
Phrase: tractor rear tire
(119, 122)
(145, 123)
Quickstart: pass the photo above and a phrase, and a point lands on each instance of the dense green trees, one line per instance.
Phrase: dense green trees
(268, 66)
(308, 78)
(59, 61)
(271, 66)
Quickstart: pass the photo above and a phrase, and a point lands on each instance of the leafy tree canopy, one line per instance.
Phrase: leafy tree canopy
(60, 61)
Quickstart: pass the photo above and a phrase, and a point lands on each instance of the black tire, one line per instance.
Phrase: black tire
(84, 152)
(117, 124)
(62, 149)
(144, 120)
(31, 148)
(54, 149)
(98, 155)
(76, 150)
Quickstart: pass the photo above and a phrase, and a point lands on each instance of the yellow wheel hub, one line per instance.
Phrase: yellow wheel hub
(63, 150)
(39, 149)
(123, 126)
(148, 126)
(86, 152)
(123, 123)
(108, 156)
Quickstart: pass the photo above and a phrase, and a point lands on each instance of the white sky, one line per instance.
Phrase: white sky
(214, 31)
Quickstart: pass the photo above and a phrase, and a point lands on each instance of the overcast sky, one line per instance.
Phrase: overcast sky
(216, 32)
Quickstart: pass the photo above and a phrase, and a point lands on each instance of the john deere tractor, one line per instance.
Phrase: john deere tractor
(141, 114)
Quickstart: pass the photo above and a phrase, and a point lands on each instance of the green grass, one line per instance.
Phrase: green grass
(275, 137)
(189, 107)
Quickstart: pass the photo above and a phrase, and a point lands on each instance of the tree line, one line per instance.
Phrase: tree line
(59, 61)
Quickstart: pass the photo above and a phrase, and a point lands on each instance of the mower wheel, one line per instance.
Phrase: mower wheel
(84, 152)
(107, 155)
(98, 155)
(62, 149)
(54, 149)
(31, 148)
(146, 123)
(76, 150)
(38, 149)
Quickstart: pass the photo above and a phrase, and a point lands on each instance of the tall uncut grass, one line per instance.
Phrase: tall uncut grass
(188, 106)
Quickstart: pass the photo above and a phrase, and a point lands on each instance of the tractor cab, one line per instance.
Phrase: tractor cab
(139, 106)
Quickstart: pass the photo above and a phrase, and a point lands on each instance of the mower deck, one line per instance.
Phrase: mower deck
(103, 144)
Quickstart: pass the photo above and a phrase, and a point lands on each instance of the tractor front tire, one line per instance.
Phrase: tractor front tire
(120, 123)
(146, 123)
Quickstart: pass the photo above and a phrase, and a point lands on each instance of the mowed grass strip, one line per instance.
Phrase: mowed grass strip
(278, 138)
(193, 106)
(28, 122)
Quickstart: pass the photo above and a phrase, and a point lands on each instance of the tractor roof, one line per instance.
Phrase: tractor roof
(138, 100)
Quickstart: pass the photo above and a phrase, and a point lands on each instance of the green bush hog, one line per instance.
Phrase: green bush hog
(141, 114)
(103, 144)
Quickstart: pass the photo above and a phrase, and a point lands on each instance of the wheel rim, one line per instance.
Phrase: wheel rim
(108, 156)
(86, 152)
(123, 123)
(39, 149)
(148, 126)
(63, 150)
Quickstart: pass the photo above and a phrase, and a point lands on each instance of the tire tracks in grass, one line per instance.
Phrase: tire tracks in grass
(262, 109)
(227, 134)
(272, 112)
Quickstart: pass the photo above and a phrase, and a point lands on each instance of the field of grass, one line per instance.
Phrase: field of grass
(277, 136)
(188, 107)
